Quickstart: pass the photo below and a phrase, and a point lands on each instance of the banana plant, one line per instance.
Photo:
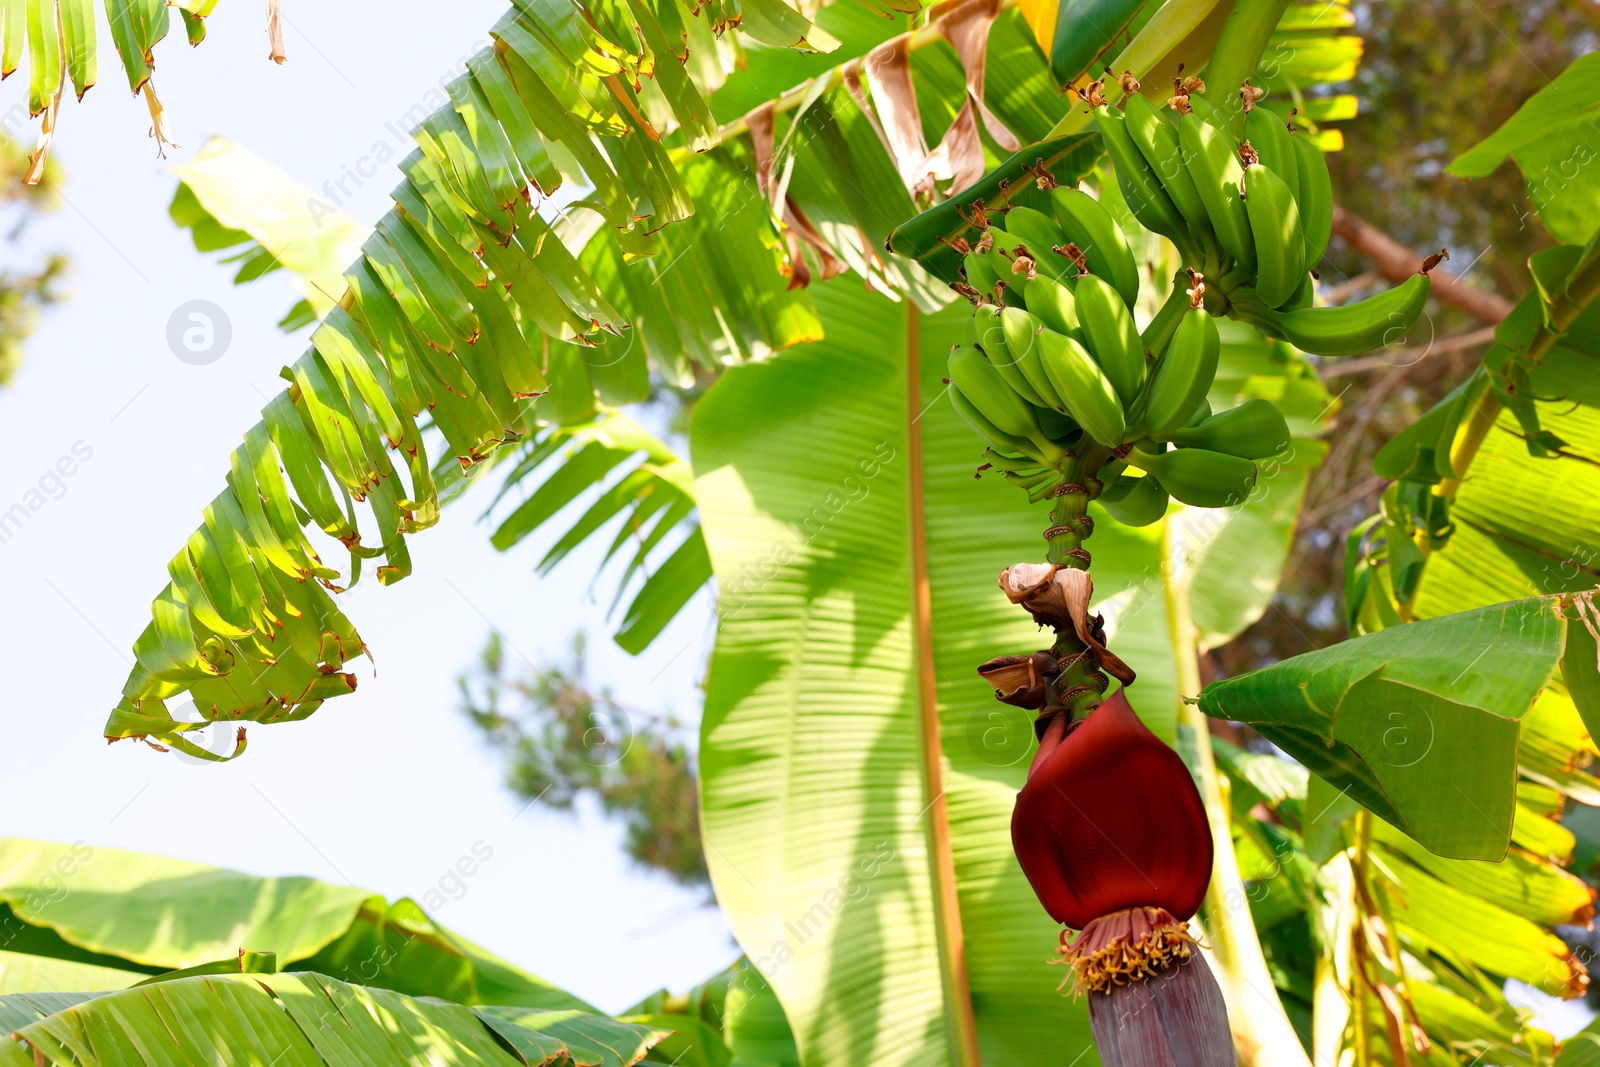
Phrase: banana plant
(184, 961)
(830, 686)
(343, 386)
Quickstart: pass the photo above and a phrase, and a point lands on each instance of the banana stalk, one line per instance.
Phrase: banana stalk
(1262, 1033)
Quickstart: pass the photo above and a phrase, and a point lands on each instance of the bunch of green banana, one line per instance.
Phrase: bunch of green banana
(1058, 382)
(1253, 216)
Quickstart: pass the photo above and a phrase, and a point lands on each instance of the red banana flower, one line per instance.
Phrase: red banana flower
(1111, 833)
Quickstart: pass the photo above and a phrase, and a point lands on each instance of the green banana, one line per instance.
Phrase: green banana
(1083, 387)
(1143, 503)
(1207, 111)
(1029, 481)
(1202, 412)
(1157, 141)
(1109, 333)
(1099, 238)
(1279, 240)
(1020, 335)
(1316, 197)
(1184, 374)
(1305, 294)
(981, 382)
(1353, 328)
(1024, 465)
(1055, 306)
(988, 329)
(1001, 443)
(1254, 430)
(1270, 137)
(1141, 188)
(980, 275)
(995, 341)
(1057, 426)
(1213, 157)
(1042, 236)
(1198, 477)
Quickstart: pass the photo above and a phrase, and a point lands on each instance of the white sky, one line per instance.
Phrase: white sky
(386, 788)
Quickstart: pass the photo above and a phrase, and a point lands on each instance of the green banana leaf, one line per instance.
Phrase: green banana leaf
(734, 1019)
(24, 973)
(231, 199)
(302, 1019)
(634, 491)
(674, 260)
(1549, 138)
(61, 40)
(160, 914)
(1087, 33)
(1419, 722)
(101, 918)
(814, 812)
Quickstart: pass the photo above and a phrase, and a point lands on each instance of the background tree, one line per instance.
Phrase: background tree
(563, 739)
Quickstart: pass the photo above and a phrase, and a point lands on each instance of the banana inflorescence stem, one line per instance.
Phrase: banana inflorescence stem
(1070, 524)
(1079, 684)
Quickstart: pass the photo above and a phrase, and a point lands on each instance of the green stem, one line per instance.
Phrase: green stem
(1080, 685)
(1262, 1031)
(1358, 987)
(1583, 288)
(1244, 38)
(1166, 30)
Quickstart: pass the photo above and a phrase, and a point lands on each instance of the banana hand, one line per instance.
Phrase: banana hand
(1141, 188)
(1213, 157)
(1157, 141)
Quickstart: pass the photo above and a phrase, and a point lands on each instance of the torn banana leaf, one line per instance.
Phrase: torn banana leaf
(1420, 723)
